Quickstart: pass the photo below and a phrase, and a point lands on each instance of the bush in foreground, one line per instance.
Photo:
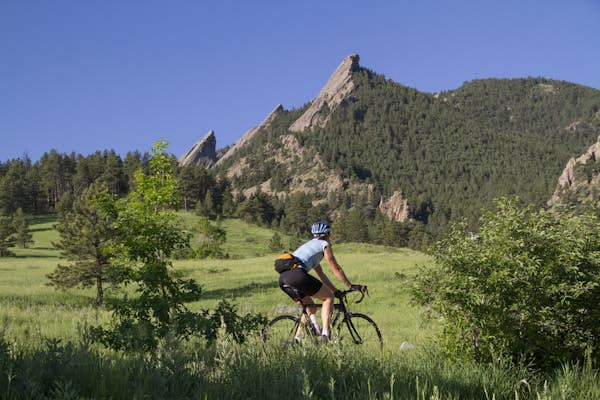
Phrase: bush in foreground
(525, 287)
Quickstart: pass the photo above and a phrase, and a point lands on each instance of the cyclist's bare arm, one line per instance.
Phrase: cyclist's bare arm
(324, 278)
(335, 267)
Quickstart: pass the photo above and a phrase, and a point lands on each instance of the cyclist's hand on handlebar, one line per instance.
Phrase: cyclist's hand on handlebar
(360, 288)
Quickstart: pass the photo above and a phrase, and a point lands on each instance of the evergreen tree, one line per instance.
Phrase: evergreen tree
(7, 238)
(257, 209)
(275, 244)
(21, 223)
(113, 175)
(56, 173)
(17, 188)
(133, 162)
(296, 221)
(228, 202)
(356, 226)
(85, 232)
(211, 240)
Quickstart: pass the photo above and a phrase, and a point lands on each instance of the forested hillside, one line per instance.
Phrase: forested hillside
(453, 152)
(449, 153)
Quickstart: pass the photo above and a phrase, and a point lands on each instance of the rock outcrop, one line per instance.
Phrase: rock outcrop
(569, 181)
(250, 134)
(337, 89)
(202, 153)
(395, 208)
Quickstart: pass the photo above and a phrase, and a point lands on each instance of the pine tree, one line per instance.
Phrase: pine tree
(7, 238)
(21, 224)
(275, 243)
(211, 239)
(85, 232)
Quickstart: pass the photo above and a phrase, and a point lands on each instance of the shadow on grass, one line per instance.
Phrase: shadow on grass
(43, 219)
(240, 291)
(49, 228)
(24, 256)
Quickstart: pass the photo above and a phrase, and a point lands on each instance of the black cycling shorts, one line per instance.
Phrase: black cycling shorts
(299, 279)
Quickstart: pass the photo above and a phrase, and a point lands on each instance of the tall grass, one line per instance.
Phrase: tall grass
(43, 355)
(255, 371)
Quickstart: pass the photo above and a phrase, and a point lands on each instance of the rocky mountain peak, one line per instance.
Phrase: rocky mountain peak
(202, 153)
(337, 88)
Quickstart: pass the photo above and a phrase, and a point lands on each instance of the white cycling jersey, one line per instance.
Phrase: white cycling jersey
(311, 253)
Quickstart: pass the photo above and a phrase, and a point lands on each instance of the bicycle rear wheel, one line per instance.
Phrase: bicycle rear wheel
(281, 330)
(361, 330)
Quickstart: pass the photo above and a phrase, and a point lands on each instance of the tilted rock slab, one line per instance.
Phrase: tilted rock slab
(202, 153)
(338, 87)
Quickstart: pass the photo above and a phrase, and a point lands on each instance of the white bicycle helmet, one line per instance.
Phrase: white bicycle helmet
(320, 228)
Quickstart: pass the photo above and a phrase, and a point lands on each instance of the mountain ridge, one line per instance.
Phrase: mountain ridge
(447, 153)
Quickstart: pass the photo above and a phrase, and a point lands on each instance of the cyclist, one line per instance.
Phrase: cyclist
(310, 254)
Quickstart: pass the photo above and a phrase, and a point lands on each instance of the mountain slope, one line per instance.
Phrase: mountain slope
(366, 139)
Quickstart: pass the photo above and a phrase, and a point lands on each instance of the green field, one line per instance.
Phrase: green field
(33, 311)
(42, 356)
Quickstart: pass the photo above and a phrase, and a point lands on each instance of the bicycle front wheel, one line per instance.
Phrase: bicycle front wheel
(281, 330)
(361, 330)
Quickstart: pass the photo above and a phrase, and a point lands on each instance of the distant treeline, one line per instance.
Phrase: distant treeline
(56, 179)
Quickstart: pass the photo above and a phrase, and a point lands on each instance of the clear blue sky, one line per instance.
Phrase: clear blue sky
(107, 74)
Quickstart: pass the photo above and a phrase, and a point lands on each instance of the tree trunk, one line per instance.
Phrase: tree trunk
(99, 292)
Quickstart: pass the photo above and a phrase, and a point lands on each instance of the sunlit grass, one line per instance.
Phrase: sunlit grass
(32, 310)
(33, 313)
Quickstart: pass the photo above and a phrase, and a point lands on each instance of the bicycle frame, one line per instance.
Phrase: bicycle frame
(365, 332)
(340, 314)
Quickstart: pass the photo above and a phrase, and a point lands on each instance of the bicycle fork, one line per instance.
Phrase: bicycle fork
(356, 338)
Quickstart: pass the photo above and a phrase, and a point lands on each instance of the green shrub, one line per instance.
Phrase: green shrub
(526, 286)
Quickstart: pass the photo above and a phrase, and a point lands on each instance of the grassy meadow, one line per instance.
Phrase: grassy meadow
(42, 354)
(32, 310)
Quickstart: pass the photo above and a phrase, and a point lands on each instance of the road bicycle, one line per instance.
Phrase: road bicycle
(346, 326)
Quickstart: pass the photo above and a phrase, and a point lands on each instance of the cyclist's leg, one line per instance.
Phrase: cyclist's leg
(326, 296)
(310, 310)
(304, 283)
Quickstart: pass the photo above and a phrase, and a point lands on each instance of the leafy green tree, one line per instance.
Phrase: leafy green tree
(23, 236)
(526, 286)
(85, 233)
(148, 234)
(7, 238)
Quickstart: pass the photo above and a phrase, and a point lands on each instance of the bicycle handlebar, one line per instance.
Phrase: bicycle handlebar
(362, 294)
